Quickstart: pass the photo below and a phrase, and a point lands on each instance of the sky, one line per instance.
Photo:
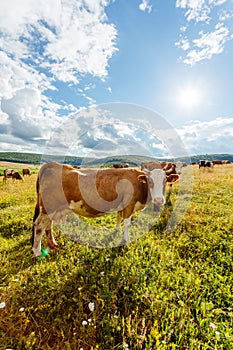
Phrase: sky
(170, 60)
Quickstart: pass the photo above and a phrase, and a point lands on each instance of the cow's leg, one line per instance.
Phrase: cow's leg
(51, 240)
(119, 219)
(127, 223)
(126, 214)
(43, 222)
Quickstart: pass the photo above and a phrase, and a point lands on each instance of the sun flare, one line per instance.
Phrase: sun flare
(189, 97)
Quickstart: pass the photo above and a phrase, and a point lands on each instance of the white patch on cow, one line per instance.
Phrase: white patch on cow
(79, 208)
(127, 223)
(59, 216)
(139, 206)
(43, 222)
(157, 191)
(78, 172)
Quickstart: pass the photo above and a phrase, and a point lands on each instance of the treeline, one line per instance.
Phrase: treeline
(132, 160)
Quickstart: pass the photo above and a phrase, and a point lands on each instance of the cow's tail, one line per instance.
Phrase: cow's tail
(37, 210)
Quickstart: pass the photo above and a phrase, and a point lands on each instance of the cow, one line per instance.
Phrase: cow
(179, 166)
(117, 165)
(26, 172)
(15, 175)
(205, 164)
(217, 162)
(93, 192)
(168, 167)
(153, 165)
(7, 173)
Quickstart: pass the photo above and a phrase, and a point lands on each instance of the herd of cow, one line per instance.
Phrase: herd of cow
(92, 192)
(15, 175)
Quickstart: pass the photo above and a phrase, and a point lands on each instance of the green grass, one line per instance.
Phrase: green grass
(166, 290)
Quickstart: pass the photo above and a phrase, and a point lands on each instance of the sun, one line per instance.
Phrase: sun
(189, 97)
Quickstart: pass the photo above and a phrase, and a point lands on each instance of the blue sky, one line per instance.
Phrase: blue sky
(171, 57)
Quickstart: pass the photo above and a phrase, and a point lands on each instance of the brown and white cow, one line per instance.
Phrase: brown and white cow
(15, 175)
(153, 165)
(179, 166)
(91, 193)
(26, 172)
(7, 173)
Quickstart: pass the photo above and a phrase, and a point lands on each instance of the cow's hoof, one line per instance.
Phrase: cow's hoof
(52, 245)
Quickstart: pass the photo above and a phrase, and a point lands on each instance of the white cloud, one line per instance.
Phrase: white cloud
(145, 6)
(214, 33)
(183, 44)
(207, 45)
(44, 43)
(198, 10)
(211, 137)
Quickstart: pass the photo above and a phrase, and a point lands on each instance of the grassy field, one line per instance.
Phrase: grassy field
(166, 290)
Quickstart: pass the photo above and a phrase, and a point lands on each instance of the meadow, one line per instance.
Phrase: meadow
(165, 290)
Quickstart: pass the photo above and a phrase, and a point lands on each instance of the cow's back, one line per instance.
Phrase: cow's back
(92, 191)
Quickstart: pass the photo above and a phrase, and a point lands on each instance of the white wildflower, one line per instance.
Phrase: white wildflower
(2, 305)
(91, 306)
(84, 323)
(213, 326)
(21, 309)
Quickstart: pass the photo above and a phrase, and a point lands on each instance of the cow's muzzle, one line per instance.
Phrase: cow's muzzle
(159, 201)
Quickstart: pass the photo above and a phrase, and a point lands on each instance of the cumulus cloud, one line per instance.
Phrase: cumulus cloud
(211, 16)
(198, 10)
(145, 6)
(43, 44)
(211, 137)
(207, 45)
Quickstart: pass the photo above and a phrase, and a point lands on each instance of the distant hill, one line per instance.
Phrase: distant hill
(35, 158)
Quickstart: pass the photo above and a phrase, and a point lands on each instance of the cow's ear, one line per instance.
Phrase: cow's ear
(142, 179)
(172, 178)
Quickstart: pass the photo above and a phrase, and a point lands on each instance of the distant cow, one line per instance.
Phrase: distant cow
(179, 166)
(117, 165)
(26, 172)
(7, 173)
(93, 192)
(15, 175)
(217, 162)
(205, 164)
(76, 166)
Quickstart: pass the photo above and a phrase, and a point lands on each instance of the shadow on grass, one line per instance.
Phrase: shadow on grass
(16, 258)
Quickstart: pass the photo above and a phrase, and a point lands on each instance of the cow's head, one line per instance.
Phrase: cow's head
(157, 180)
